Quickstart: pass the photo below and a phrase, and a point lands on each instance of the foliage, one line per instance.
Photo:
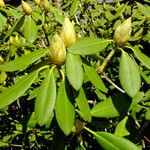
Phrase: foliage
(90, 93)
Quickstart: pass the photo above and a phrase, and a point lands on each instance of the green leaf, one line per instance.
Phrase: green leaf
(15, 27)
(94, 78)
(136, 99)
(74, 70)
(129, 75)
(83, 105)
(12, 93)
(119, 11)
(111, 107)
(81, 147)
(2, 22)
(121, 128)
(74, 7)
(88, 46)
(30, 30)
(64, 110)
(145, 60)
(58, 14)
(32, 120)
(24, 61)
(147, 114)
(111, 142)
(144, 9)
(45, 99)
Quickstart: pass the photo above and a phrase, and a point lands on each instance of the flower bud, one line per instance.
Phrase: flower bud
(46, 5)
(68, 33)
(1, 60)
(37, 2)
(14, 40)
(57, 50)
(2, 4)
(123, 32)
(26, 8)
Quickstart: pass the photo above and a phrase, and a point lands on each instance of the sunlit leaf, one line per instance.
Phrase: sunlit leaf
(87, 46)
(111, 142)
(12, 93)
(2, 22)
(24, 61)
(74, 7)
(45, 99)
(83, 105)
(74, 70)
(94, 78)
(141, 57)
(30, 30)
(121, 128)
(64, 110)
(144, 9)
(18, 24)
(129, 75)
(111, 107)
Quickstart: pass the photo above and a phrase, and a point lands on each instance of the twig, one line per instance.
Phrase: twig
(91, 21)
(146, 139)
(112, 83)
(105, 62)
(15, 145)
(79, 24)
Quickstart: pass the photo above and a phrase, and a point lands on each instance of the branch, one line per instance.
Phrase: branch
(112, 83)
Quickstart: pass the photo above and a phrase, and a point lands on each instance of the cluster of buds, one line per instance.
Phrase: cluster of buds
(123, 33)
(2, 4)
(59, 43)
(14, 40)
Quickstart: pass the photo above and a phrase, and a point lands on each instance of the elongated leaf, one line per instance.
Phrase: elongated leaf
(2, 22)
(87, 46)
(15, 91)
(23, 62)
(74, 70)
(111, 142)
(15, 27)
(129, 75)
(74, 7)
(144, 9)
(136, 99)
(64, 110)
(58, 14)
(94, 78)
(81, 147)
(121, 128)
(45, 100)
(147, 114)
(111, 107)
(30, 30)
(120, 11)
(83, 105)
(141, 57)
(32, 120)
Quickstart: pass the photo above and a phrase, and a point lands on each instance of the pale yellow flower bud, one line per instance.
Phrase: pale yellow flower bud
(123, 32)
(2, 4)
(46, 5)
(1, 60)
(37, 2)
(26, 8)
(57, 50)
(68, 33)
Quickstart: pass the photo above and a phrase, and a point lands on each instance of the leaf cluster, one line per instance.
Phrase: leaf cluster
(98, 99)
